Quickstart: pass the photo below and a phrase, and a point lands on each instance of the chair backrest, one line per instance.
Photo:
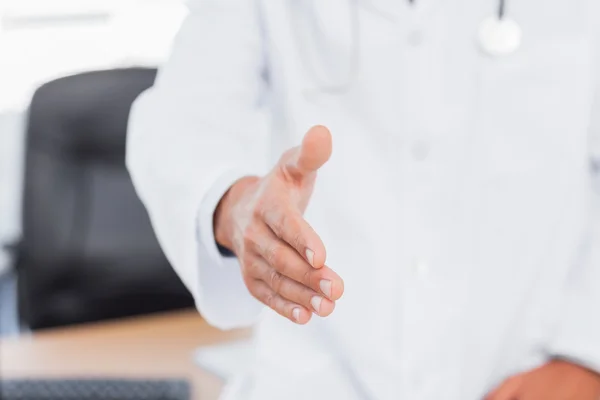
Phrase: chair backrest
(88, 251)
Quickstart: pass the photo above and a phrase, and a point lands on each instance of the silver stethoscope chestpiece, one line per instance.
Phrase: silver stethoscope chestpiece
(499, 36)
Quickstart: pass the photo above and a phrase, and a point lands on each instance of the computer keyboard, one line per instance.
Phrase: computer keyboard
(77, 389)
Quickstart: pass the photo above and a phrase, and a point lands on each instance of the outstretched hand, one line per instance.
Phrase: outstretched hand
(281, 256)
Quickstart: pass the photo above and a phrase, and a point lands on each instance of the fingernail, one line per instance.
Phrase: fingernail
(296, 314)
(310, 256)
(315, 302)
(325, 286)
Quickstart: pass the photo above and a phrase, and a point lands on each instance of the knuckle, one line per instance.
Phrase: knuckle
(306, 278)
(269, 300)
(275, 280)
(297, 240)
(276, 221)
(252, 269)
(275, 255)
(284, 265)
(293, 228)
(288, 219)
(270, 255)
(282, 223)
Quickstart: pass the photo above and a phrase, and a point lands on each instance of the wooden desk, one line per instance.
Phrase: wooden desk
(148, 347)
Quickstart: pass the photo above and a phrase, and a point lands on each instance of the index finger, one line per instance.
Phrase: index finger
(289, 225)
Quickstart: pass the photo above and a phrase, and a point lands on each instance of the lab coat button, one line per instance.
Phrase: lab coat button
(415, 38)
(416, 383)
(420, 150)
(421, 268)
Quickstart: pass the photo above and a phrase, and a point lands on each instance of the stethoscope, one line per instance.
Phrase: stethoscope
(498, 35)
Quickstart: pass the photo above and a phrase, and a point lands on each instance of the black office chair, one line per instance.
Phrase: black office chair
(88, 251)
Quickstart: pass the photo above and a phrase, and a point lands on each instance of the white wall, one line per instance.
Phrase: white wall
(44, 39)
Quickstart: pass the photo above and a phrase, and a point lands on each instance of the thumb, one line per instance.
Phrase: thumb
(312, 154)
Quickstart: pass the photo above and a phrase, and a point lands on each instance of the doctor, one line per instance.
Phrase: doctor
(427, 159)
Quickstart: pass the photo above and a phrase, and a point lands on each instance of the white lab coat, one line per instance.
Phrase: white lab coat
(457, 206)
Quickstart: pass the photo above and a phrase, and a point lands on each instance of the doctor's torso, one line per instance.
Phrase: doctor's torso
(455, 203)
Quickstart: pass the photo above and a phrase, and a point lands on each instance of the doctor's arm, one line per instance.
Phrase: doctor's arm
(197, 142)
(195, 132)
(578, 338)
(574, 372)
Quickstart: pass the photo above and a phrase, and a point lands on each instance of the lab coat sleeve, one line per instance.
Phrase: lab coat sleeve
(578, 338)
(200, 128)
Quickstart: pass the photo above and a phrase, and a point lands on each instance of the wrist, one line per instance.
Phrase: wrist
(223, 216)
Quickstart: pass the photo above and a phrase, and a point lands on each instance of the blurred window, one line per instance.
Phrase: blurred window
(44, 39)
